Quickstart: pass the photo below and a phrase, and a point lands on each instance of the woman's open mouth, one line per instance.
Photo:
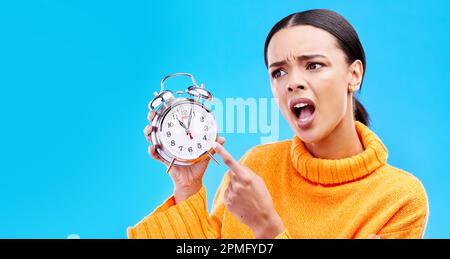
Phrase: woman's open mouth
(304, 110)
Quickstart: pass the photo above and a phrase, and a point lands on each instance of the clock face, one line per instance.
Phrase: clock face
(187, 131)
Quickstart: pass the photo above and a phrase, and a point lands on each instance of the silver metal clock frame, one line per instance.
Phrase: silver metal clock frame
(165, 101)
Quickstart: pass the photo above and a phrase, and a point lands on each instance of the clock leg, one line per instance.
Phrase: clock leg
(213, 158)
(170, 165)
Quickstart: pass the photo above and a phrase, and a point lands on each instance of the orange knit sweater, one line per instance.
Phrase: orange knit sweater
(355, 197)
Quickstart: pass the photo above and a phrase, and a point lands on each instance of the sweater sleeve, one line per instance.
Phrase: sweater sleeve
(284, 235)
(188, 219)
(410, 221)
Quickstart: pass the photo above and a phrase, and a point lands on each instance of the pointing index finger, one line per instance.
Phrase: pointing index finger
(226, 157)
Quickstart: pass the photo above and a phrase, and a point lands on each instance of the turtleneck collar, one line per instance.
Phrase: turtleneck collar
(339, 171)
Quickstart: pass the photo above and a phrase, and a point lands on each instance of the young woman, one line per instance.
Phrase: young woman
(330, 181)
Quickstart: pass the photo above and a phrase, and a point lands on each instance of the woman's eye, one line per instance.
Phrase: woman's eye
(314, 66)
(278, 73)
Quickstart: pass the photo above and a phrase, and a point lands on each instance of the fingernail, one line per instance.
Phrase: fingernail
(147, 133)
(214, 145)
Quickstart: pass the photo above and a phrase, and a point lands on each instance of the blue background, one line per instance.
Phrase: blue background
(76, 77)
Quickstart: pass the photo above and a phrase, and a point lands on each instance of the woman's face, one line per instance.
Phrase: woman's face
(311, 79)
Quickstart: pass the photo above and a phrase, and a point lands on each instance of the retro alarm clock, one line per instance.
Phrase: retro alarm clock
(183, 128)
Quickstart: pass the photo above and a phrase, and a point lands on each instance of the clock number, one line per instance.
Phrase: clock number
(169, 124)
(199, 146)
(172, 143)
(168, 134)
(205, 128)
(181, 148)
(190, 149)
(202, 119)
(204, 138)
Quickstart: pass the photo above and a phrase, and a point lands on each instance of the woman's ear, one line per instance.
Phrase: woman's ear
(356, 71)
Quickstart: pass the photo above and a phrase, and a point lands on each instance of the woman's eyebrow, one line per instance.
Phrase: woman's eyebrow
(299, 58)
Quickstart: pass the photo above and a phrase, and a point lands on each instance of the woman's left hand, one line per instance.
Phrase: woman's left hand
(248, 198)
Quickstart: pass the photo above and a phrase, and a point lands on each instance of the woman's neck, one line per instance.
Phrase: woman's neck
(342, 142)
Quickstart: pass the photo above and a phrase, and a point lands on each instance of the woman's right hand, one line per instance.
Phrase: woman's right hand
(187, 180)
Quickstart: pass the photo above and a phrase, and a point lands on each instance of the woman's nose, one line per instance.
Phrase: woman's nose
(291, 88)
(296, 82)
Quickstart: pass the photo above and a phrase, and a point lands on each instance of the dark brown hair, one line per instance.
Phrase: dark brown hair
(346, 36)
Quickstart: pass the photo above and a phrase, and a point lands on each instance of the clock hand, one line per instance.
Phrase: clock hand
(190, 117)
(181, 122)
(189, 124)
(186, 129)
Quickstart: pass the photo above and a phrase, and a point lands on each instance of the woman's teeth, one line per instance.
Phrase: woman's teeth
(300, 105)
(298, 108)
